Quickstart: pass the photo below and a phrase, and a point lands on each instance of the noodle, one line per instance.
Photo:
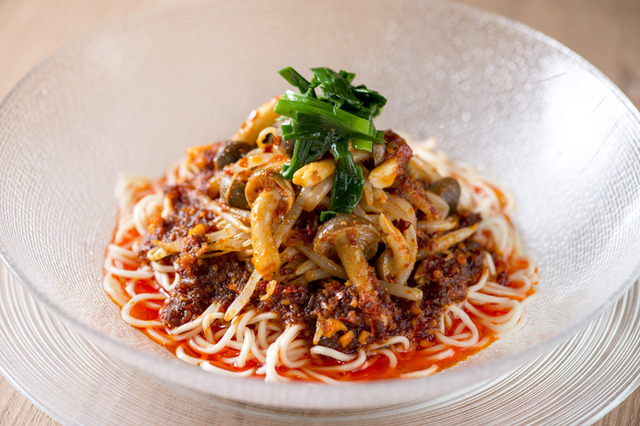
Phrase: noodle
(291, 308)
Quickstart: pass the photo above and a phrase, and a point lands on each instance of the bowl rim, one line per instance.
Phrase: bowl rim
(142, 360)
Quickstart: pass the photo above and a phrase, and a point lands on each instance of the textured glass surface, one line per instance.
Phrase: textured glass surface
(131, 97)
(577, 383)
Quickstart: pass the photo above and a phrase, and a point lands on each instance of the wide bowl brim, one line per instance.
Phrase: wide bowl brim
(503, 98)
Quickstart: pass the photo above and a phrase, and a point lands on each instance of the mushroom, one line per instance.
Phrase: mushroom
(377, 153)
(354, 240)
(269, 195)
(258, 120)
(448, 189)
(287, 147)
(397, 261)
(232, 190)
(230, 153)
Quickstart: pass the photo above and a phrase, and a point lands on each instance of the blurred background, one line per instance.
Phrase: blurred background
(604, 32)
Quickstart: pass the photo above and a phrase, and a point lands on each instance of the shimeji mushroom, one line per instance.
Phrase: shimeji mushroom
(232, 191)
(231, 152)
(269, 195)
(354, 240)
(448, 189)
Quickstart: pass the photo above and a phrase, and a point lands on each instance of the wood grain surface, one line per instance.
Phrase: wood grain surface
(605, 32)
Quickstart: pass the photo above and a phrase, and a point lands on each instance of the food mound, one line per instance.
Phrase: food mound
(312, 246)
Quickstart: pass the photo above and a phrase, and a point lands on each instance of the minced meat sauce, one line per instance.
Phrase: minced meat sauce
(333, 313)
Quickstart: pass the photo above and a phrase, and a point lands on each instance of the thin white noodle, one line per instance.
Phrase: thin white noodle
(201, 345)
(123, 252)
(165, 269)
(157, 336)
(490, 264)
(447, 353)
(125, 227)
(359, 362)
(165, 282)
(464, 342)
(291, 352)
(500, 290)
(435, 348)
(244, 320)
(266, 316)
(331, 353)
(206, 325)
(113, 289)
(422, 373)
(393, 359)
(196, 323)
(258, 353)
(481, 282)
(126, 310)
(483, 299)
(248, 342)
(259, 336)
(207, 366)
(145, 209)
(396, 340)
(274, 352)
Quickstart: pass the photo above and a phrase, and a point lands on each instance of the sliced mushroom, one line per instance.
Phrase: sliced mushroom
(231, 152)
(448, 189)
(232, 190)
(269, 195)
(355, 240)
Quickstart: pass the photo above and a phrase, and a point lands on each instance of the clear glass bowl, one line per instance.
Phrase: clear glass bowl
(131, 97)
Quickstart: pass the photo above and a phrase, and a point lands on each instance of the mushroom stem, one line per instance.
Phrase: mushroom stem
(355, 240)
(403, 249)
(267, 193)
(266, 258)
(362, 276)
(360, 273)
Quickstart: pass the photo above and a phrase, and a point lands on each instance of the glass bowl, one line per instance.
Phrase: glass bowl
(131, 97)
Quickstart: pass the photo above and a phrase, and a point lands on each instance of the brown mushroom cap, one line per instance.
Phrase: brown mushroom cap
(232, 190)
(264, 180)
(365, 232)
(448, 189)
(231, 152)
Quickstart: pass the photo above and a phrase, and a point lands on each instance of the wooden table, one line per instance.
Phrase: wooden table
(605, 32)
